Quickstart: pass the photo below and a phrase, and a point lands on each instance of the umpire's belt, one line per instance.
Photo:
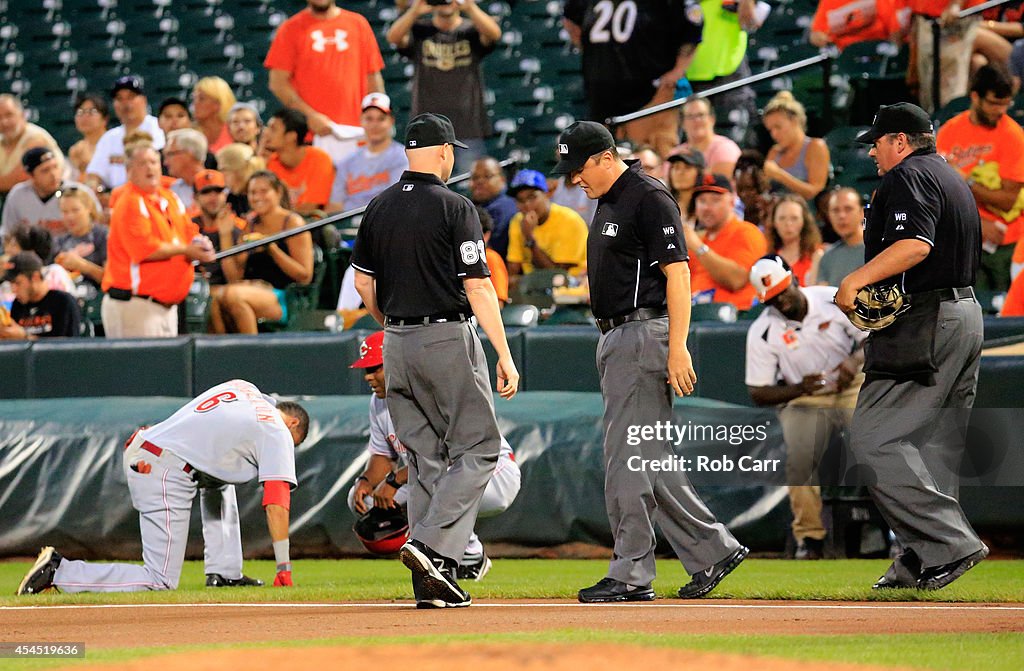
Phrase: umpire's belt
(127, 295)
(638, 315)
(440, 318)
(950, 294)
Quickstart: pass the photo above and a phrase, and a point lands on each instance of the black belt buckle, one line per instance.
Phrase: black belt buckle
(640, 314)
(440, 318)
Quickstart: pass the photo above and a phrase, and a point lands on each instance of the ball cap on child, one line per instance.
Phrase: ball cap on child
(527, 179)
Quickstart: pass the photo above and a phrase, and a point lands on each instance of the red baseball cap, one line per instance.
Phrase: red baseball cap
(371, 352)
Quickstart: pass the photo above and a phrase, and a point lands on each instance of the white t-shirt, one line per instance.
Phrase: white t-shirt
(384, 441)
(232, 432)
(108, 159)
(778, 348)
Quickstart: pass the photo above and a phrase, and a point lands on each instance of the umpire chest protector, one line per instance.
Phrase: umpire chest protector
(635, 228)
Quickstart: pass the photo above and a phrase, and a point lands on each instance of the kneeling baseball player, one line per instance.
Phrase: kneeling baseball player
(227, 435)
(382, 487)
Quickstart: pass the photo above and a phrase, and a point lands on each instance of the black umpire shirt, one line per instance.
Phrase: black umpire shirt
(636, 227)
(924, 198)
(419, 240)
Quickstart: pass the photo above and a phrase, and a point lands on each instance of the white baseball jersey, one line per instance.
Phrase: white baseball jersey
(778, 348)
(232, 432)
(108, 161)
(384, 441)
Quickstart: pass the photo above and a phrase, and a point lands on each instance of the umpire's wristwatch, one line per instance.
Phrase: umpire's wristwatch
(392, 480)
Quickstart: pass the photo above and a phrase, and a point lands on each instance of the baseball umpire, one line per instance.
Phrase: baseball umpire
(421, 271)
(640, 295)
(232, 433)
(922, 239)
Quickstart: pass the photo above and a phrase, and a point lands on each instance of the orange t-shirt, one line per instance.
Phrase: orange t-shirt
(964, 145)
(499, 275)
(328, 61)
(139, 224)
(740, 241)
(849, 21)
(308, 182)
(936, 7)
(801, 267)
(1013, 305)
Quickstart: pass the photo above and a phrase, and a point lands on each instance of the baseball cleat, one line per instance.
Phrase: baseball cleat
(610, 590)
(886, 582)
(40, 577)
(217, 580)
(475, 570)
(438, 587)
(938, 577)
(704, 581)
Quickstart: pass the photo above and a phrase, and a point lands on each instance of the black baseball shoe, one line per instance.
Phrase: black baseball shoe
(217, 580)
(475, 570)
(938, 577)
(810, 548)
(436, 574)
(705, 581)
(40, 577)
(610, 590)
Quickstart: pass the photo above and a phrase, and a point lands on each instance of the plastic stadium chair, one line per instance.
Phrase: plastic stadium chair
(517, 314)
(714, 312)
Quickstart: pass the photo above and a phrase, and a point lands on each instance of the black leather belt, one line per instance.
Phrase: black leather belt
(127, 295)
(440, 318)
(950, 294)
(640, 314)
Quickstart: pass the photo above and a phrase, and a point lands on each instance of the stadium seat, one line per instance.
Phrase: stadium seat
(720, 312)
(520, 315)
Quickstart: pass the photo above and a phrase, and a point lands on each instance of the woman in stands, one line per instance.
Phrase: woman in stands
(268, 270)
(752, 187)
(83, 250)
(212, 101)
(685, 171)
(795, 163)
(794, 236)
(238, 162)
(91, 117)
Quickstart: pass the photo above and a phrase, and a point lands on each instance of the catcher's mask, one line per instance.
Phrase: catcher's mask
(382, 530)
(878, 307)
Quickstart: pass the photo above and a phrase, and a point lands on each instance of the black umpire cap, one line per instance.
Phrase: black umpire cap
(898, 118)
(430, 130)
(579, 142)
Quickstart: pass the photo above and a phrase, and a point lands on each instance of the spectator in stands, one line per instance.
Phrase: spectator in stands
(640, 67)
(307, 171)
(721, 58)
(38, 311)
(266, 271)
(496, 264)
(1000, 28)
(722, 254)
(446, 50)
(752, 187)
(245, 124)
(487, 185)
(719, 152)
(173, 114)
(543, 235)
(212, 100)
(1013, 304)
(34, 202)
(564, 192)
(376, 165)
(38, 240)
(150, 249)
(17, 136)
(185, 154)
(650, 162)
(956, 42)
(794, 236)
(131, 108)
(795, 162)
(322, 62)
(238, 162)
(805, 357)
(845, 22)
(685, 172)
(91, 117)
(846, 215)
(987, 147)
(83, 249)
(217, 222)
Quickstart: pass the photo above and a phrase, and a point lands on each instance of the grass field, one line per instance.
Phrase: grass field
(332, 581)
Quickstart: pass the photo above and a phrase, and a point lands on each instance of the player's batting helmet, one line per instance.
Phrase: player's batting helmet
(371, 352)
(382, 530)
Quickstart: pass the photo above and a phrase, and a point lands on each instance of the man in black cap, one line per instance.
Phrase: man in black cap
(38, 311)
(640, 295)
(923, 234)
(131, 107)
(36, 201)
(421, 271)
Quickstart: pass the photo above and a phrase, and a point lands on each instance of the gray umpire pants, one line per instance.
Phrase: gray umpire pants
(911, 437)
(632, 361)
(440, 400)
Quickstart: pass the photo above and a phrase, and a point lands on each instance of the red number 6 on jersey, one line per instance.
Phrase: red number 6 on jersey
(215, 400)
